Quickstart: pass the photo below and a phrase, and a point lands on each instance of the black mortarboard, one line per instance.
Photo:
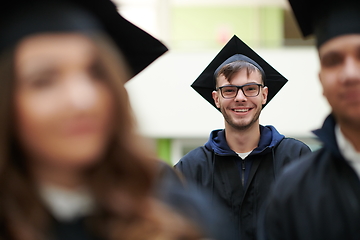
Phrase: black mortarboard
(235, 50)
(23, 17)
(327, 19)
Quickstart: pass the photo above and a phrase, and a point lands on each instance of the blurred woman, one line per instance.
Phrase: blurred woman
(71, 164)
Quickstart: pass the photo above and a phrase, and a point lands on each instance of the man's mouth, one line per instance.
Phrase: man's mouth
(242, 110)
(352, 97)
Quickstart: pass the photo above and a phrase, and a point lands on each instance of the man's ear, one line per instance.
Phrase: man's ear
(265, 92)
(215, 96)
(320, 79)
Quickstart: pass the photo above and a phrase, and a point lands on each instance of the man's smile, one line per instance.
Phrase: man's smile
(241, 110)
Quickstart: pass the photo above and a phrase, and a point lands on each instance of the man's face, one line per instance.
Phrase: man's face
(241, 112)
(340, 77)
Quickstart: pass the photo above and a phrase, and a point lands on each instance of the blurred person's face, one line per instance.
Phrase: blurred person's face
(340, 77)
(63, 104)
(241, 112)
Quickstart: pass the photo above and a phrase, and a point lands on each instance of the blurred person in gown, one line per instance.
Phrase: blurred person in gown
(319, 196)
(72, 165)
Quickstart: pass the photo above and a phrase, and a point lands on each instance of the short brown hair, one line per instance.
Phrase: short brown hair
(232, 68)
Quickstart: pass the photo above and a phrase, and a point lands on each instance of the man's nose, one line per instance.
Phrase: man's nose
(351, 70)
(240, 96)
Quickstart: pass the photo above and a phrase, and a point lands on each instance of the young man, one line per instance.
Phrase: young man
(319, 197)
(239, 163)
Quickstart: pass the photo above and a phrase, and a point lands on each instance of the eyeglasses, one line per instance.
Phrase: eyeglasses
(231, 91)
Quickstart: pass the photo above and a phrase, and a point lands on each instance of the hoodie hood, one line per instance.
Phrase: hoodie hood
(269, 138)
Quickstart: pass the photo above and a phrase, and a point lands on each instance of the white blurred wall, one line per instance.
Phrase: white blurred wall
(167, 107)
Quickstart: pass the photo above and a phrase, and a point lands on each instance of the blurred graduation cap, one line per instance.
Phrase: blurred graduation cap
(205, 84)
(21, 18)
(327, 19)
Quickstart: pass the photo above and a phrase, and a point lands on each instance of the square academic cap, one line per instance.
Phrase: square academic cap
(205, 84)
(23, 17)
(327, 19)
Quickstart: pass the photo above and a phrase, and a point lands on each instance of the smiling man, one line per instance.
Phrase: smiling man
(319, 197)
(238, 164)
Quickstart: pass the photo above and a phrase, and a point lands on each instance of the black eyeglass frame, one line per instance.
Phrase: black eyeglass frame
(239, 87)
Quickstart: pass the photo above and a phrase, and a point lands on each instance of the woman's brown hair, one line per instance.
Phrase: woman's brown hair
(121, 182)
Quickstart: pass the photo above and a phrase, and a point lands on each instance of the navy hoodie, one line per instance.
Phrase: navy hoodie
(269, 138)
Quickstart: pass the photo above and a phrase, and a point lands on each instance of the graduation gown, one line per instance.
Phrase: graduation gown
(316, 198)
(75, 229)
(183, 198)
(215, 167)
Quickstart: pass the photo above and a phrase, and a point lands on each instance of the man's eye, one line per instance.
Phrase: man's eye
(331, 60)
(250, 89)
(229, 90)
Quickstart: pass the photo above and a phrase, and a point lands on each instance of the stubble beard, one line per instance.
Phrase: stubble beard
(241, 125)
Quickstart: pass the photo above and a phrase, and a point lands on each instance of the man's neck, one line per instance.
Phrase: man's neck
(242, 141)
(352, 134)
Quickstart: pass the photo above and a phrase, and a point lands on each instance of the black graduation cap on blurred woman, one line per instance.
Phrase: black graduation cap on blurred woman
(205, 84)
(327, 19)
(20, 18)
